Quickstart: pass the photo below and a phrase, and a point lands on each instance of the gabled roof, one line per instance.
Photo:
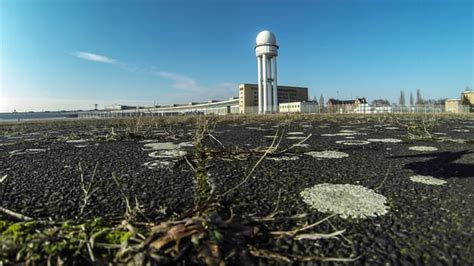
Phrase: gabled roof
(335, 101)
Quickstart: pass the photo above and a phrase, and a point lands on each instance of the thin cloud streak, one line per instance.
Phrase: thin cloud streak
(95, 57)
(180, 82)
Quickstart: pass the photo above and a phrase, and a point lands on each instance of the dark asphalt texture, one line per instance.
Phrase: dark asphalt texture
(431, 225)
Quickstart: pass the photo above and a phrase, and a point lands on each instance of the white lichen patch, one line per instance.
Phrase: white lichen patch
(427, 180)
(161, 146)
(185, 144)
(297, 138)
(346, 134)
(327, 154)
(26, 151)
(343, 134)
(270, 136)
(353, 142)
(283, 158)
(302, 145)
(392, 128)
(157, 164)
(422, 148)
(81, 146)
(77, 140)
(147, 140)
(347, 131)
(440, 133)
(7, 143)
(295, 133)
(345, 200)
(461, 130)
(328, 135)
(167, 154)
(166, 146)
(388, 140)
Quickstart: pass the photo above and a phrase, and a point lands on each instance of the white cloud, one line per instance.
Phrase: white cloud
(95, 57)
(180, 82)
(189, 89)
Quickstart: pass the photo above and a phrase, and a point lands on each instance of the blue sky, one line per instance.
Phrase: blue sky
(71, 54)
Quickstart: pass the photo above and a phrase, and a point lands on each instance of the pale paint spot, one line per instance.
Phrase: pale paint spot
(346, 200)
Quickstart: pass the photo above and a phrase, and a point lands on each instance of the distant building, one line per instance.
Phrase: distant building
(117, 107)
(345, 106)
(452, 105)
(299, 107)
(248, 96)
(467, 98)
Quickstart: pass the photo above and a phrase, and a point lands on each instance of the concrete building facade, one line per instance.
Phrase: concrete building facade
(299, 107)
(467, 98)
(452, 106)
(248, 96)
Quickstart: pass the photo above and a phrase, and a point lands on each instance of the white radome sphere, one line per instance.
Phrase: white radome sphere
(266, 37)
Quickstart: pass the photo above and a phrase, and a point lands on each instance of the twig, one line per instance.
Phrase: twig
(15, 215)
(87, 191)
(189, 163)
(297, 144)
(128, 209)
(89, 249)
(288, 258)
(386, 175)
(214, 138)
(316, 236)
(3, 178)
(278, 201)
(294, 232)
(269, 150)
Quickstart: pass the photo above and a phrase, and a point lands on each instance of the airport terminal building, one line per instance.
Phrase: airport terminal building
(248, 96)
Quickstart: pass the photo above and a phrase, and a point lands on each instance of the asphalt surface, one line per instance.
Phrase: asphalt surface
(426, 224)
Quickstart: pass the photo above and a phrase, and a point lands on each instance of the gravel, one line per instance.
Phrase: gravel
(424, 224)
